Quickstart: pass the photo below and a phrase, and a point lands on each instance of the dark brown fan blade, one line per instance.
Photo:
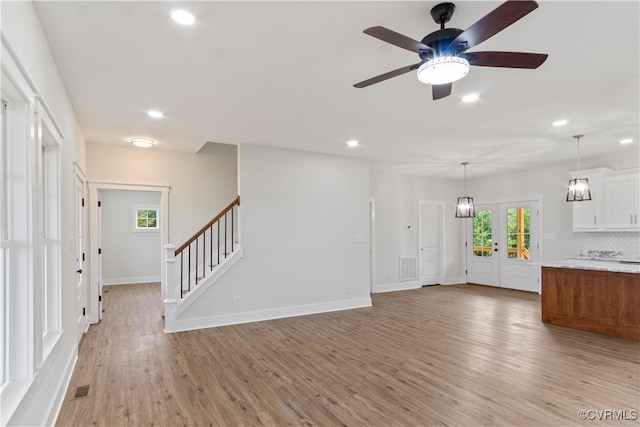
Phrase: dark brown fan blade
(440, 91)
(386, 76)
(506, 59)
(396, 39)
(497, 20)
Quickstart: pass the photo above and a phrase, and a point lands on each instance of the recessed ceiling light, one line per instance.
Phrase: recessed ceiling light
(142, 142)
(560, 122)
(183, 17)
(472, 97)
(155, 114)
(353, 143)
(626, 141)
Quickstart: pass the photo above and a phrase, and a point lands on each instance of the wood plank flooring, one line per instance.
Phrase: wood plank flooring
(460, 355)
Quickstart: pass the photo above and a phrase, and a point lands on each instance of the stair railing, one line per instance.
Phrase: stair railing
(218, 235)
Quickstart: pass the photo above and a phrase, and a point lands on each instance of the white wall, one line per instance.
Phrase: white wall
(128, 256)
(21, 28)
(201, 184)
(305, 233)
(396, 199)
(550, 183)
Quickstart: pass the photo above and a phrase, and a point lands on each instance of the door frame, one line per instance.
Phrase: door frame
(442, 243)
(372, 243)
(532, 198)
(80, 181)
(95, 231)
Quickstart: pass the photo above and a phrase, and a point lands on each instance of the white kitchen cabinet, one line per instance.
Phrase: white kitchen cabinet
(587, 215)
(621, 200)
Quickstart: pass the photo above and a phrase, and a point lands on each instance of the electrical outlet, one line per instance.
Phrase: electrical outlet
(347, 289)
(236, 300)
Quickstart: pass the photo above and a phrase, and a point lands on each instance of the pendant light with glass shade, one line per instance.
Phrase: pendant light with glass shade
(578, 190)
(464, 205)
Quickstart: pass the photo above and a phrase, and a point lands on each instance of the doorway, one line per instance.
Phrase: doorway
(431, 242)
(502, 244)
(95, 220)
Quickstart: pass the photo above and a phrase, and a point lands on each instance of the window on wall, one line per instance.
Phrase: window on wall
(482, 234)
(518, 233)
(4, 243)
(146, 218)
(50, 206)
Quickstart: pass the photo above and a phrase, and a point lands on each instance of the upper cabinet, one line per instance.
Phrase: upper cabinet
(614, 204)
(621, 200)
(587, 215)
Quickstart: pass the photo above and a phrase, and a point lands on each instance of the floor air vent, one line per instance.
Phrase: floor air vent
(82, 391)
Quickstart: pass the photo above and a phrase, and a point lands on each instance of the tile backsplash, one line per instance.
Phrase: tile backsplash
(626, 242)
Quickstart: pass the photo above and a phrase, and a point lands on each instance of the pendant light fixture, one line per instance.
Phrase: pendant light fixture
(464, 206)
(578, 190)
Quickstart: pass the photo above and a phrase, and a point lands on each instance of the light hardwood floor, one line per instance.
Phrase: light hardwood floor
(460, 355)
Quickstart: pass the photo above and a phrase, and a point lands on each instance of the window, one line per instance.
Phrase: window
(49, 141)
(482, 238)
(146, 218)
(518, 233)
(4, 243)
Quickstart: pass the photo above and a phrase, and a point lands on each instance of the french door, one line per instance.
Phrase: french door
(503, 246)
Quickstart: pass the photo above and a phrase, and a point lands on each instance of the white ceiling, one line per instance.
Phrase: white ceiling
(281, 74)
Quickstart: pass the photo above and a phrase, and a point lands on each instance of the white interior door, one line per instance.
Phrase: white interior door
(430, 232)
(502, 246)
(81, 303)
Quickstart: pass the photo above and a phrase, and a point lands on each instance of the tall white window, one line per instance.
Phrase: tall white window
(49, 142)
(4, 244)
(30, 251)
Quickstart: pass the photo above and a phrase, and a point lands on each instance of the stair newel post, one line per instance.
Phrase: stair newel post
(170, 302)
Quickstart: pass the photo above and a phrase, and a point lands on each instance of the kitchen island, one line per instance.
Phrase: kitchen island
(595, 296)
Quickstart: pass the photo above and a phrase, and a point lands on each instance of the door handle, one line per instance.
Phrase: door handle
(79, 271)
(495, 250)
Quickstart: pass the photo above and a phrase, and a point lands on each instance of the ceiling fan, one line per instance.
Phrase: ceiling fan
(443, 53)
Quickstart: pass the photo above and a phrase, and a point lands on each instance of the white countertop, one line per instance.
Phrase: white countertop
(593, 264)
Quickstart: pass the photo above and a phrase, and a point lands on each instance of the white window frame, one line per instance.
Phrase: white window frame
(49, 143)
(137, 229)
(31, 287)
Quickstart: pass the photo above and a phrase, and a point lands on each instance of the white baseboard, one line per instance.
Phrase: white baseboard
(130, 280)
(61, 390)
(275, 313)
(392, 287)
(404, 286)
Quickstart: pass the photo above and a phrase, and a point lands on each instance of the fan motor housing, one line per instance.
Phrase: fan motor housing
(440, 40)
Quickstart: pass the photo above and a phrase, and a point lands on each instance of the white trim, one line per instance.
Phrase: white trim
(12, 69)
(58, 396)
(130, 280)
(443, 239)
(217, 273)
(372, 243)
(95, 287)
(392, 287)
(48, 116)
(454, 281)
(274, 313)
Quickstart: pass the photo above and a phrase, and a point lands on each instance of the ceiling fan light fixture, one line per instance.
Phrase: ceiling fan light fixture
(443, 69)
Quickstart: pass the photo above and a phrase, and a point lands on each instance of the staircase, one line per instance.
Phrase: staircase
(199, 262)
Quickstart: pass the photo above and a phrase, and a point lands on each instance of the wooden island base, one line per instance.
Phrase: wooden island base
(592, 300)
